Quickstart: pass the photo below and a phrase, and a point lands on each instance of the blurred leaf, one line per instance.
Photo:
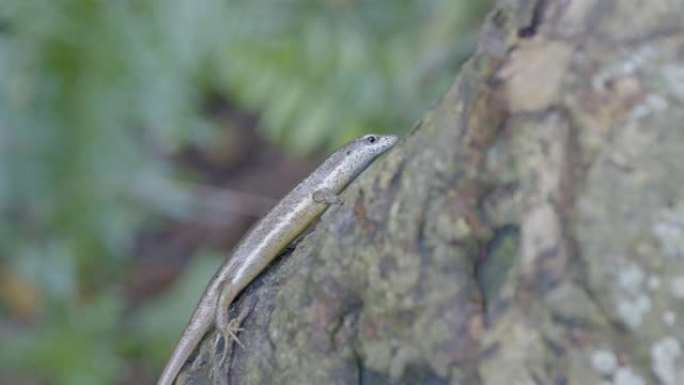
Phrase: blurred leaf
(376, 66)
(77, 349)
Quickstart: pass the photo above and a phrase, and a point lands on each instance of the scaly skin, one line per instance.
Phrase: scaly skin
(289, 218)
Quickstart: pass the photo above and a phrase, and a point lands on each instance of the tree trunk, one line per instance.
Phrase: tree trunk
(529, 230)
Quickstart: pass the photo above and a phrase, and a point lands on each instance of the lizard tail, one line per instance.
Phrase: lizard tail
(200, 322)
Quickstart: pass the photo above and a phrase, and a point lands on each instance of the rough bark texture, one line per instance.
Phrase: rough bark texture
(529, 230)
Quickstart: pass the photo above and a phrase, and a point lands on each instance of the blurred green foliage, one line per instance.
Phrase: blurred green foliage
(95, 96)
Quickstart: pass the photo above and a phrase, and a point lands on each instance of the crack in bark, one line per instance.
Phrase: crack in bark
(573, 180)
(537, 16)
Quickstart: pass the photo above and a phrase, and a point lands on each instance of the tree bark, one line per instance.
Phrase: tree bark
(529, 230)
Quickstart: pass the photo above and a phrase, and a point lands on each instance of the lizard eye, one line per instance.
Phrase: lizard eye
(371, 139)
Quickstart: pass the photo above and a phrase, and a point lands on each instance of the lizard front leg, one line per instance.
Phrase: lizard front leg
(326, 195)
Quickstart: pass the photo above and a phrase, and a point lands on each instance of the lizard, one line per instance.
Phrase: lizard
(268, 237)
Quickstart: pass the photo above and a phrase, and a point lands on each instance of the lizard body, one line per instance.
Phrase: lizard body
(268, 237)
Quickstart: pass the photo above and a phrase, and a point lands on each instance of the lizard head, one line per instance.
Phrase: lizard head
(361, 152)
(371, 145)
(351, 159)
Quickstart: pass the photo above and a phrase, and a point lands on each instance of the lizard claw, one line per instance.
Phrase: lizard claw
(228, 333)
(231, 330)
